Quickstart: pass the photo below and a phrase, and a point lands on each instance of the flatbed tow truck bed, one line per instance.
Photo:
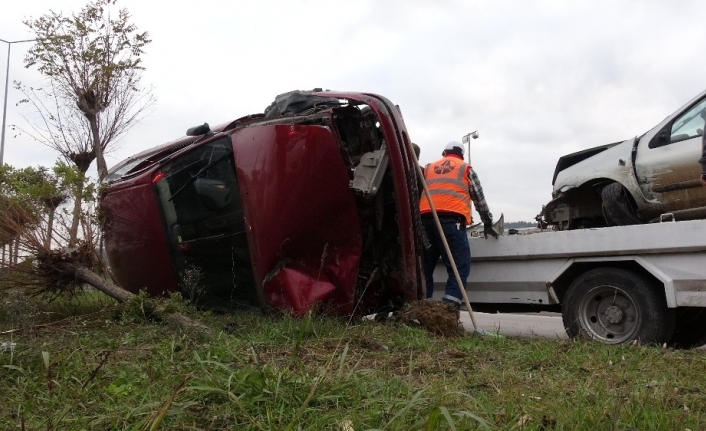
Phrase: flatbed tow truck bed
(614, 284)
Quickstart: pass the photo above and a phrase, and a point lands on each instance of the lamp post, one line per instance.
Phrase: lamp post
(467, 140)
(4, 106)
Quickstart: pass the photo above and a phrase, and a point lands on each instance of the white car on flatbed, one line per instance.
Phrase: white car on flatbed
(636, 180)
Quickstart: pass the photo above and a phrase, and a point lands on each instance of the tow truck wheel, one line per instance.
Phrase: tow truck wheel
(616, 306)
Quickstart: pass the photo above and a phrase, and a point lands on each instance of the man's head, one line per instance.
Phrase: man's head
(454, 147)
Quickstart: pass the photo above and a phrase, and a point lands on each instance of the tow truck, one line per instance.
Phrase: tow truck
(618, 285)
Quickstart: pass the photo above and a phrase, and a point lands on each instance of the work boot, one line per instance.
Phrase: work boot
(453, 306)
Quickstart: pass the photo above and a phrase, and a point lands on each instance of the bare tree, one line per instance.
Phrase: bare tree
(92, 60)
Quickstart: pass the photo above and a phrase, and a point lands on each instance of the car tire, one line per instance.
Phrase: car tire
(690, 329)
(616, 306)
(619, 208)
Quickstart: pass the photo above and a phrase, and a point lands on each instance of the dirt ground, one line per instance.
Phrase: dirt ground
(434, 316)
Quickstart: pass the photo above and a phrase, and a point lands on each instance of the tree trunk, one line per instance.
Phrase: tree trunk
(73, 232)
(97, 147)
(50, 228)
(121, 295)
(16, 254)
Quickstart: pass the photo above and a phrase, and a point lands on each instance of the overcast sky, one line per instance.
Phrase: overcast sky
(537, 79)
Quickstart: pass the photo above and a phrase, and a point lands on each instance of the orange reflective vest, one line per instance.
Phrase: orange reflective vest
(447, 181)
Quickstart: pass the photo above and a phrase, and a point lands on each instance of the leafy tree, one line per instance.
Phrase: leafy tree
(28, 199)
(92, 62)
(32, 195)
(40, 190)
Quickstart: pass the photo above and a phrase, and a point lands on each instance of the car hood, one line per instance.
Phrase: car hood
(606, 161)
(571, 159)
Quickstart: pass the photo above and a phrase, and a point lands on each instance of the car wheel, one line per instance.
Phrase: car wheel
(619, 208)
(616, 306)
(690, 328)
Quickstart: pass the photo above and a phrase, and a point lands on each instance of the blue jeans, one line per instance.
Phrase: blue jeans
(457, 239)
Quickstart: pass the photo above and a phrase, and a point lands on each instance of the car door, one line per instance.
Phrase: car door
(667, 162)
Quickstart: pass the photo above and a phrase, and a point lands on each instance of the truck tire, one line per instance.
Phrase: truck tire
(616, 306)
(690, 329)
(619, 208)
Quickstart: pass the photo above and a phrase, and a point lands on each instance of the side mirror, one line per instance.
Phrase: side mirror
(203, 129)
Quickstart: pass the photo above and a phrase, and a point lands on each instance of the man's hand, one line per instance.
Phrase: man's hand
(488, 229)
(702, 178)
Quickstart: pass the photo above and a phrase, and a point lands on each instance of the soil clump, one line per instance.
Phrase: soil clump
(434, 316)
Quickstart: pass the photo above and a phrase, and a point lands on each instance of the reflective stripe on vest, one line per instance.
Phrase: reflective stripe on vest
(448, 186)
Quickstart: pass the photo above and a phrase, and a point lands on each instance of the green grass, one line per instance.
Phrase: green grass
(109, 370)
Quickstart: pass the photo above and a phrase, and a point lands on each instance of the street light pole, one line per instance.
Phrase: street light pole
(4, 105)
(467, 140)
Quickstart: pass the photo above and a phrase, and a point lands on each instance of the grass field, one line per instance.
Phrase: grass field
(99, 366)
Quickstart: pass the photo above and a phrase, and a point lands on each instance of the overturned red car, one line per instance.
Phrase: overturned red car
(313, 201)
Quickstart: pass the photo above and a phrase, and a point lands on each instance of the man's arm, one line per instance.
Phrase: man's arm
(478, 198)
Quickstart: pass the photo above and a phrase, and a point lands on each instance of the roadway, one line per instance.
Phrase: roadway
(540, 325)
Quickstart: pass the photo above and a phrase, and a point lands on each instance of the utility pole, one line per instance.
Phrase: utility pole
(4, 105)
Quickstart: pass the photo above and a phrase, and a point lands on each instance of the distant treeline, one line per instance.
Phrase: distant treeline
(520, 224)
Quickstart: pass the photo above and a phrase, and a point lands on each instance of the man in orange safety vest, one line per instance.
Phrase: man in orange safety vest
(452, 185)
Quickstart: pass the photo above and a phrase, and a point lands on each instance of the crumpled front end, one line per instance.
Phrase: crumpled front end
(577, 183)
(300, 215)
(328, 206)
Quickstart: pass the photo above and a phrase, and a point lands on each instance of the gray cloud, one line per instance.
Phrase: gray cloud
(538, 78)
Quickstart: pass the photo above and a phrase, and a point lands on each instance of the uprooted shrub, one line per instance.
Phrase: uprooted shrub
(65, 270)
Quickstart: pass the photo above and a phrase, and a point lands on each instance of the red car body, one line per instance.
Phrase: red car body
(313, 202)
